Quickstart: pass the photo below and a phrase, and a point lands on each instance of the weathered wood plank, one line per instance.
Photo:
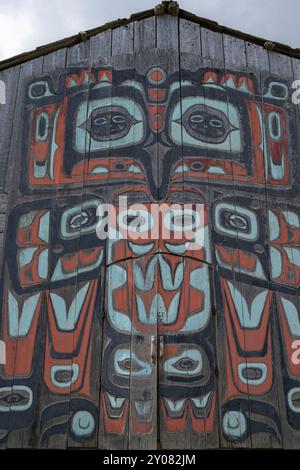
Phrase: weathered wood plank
(28, 70)
(212, 46)
(10, 78)
(145, 34)
(167, 32)
(280, 64)
(122, 40)
(100, 46)
(259, 58)
(189, 34)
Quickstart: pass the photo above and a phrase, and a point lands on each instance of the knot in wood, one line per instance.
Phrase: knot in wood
(171, 8)
(270, 45)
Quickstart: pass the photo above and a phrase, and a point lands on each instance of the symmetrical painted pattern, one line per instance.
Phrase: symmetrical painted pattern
(122, 343)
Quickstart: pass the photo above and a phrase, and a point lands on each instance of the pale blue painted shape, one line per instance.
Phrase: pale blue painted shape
(73, 368)
(202, 401)
(25, 256)
(248, 318)
(293, 254)
(199, 279)
(141, 250)
(274, 228)
(117, 277)
(43, 264)
(234, 424)
(256, 382)
(293, 391)
(292, 218)
(292, 316)
(68, 319)
(143, 407)
(276, 262)
(168, 316)
(44, 227)
(145, 283)
(83, 423)
(166, 274)
(19, 326)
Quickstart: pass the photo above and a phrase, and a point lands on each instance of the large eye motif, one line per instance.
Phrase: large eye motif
(16, 398)
(187, 364)
(80, 219)
(235, 221)
(127, 363)
(206, 123)
(109, 123)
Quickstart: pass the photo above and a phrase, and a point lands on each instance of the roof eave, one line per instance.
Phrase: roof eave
(85, 35)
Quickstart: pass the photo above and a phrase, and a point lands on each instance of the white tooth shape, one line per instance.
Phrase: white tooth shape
(158, 305)
(99, 169)
(115, 402)
(230, 83)
(175, 405)
(216, 170)
(182, 169)
(166, 274)
(145, 283)
(67, 319)
(19, 325)
(244, 86)
(201, 402)
(134, 169)
(248, 318)
(142, 407)
(117, 277)
(140, 250)
(176, 249)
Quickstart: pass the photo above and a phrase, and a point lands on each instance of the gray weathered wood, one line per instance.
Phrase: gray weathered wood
(145, 34)
(167, 32)
(122, 40)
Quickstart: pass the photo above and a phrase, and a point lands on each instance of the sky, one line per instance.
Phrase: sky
(27, 24)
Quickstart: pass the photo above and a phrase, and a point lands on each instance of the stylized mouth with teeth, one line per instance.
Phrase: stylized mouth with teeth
(160, 287)
(200, 406)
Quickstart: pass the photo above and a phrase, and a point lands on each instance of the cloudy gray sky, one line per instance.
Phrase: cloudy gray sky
(26, 24)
